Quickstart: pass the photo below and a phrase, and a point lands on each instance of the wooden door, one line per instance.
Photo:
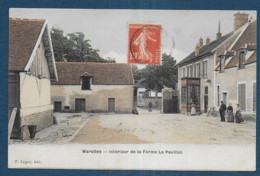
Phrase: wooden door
(111, 105)
(80, 105)
(57, 106)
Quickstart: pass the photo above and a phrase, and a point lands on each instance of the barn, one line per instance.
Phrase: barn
(31, 69)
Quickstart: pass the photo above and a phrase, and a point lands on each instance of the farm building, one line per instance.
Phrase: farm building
(93, 87)
(31, 69)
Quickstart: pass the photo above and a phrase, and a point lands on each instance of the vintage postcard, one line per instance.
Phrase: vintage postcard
(132, 89)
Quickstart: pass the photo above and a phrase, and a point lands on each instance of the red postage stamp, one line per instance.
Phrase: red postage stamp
(144, 45)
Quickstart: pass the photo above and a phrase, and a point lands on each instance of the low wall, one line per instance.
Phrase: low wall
(40, 119)
(144, 102)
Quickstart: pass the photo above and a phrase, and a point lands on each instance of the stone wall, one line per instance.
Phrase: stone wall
(40, 119)
(144, 102)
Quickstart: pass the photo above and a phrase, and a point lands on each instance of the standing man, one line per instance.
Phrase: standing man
(150, 106)
(222, 110)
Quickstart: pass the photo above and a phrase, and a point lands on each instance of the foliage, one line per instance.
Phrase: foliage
(155, 77)
(73, 47)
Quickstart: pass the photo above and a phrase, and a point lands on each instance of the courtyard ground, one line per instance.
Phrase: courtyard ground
(147, 127)
(154, 127)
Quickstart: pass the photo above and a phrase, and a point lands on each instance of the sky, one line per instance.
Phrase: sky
(108, 29)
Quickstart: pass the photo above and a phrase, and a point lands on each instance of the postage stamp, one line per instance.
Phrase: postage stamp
(144, 44)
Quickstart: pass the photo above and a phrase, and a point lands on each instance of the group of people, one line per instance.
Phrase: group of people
(230, 116)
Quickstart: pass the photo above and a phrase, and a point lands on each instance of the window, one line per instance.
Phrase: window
(205, 69)
(195, 71)
(188, 71)
(222, 64)
(206, 90)
(241, 59)
(183, 72)
(198, 70)
(191, 71)
(242, 96)
(86, 83)
(218, 95)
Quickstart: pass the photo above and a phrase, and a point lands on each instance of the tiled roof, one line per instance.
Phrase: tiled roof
(103, 73)
(205, 49)
(23, 35)
(233, 62)
(248, 36)
(251, 59)
(247, 41)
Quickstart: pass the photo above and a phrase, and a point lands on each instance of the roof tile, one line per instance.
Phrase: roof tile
(205, 49)
(23, 35)
(103, 73)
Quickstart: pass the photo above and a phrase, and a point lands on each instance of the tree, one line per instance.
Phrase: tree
(60, 43)
(74, 47)
(169, 71)
(155, 77)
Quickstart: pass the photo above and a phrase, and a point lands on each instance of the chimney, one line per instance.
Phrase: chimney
(207, 40)
(201, 42)
(239, 20)
(197, 50)
(218, 35)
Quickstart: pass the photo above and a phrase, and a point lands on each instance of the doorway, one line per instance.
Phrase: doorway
(111, 105)
(80, 104)
(206, 99)
(224, 95)
(57, 106)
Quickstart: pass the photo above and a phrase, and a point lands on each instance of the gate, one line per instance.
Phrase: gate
(171, 105)
(170, 101)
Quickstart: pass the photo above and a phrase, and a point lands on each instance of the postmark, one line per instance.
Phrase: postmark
(144, 44)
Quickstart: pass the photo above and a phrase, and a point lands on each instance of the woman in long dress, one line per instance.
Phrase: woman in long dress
(239, 115)
(230, 115)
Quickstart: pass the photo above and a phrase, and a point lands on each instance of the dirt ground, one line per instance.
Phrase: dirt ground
(93, 133)
(147, 127)
(153, 127)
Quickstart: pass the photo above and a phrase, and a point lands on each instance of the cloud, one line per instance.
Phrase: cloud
(120, 58)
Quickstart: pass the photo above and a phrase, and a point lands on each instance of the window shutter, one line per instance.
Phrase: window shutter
(199, 70)
(242, 96)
